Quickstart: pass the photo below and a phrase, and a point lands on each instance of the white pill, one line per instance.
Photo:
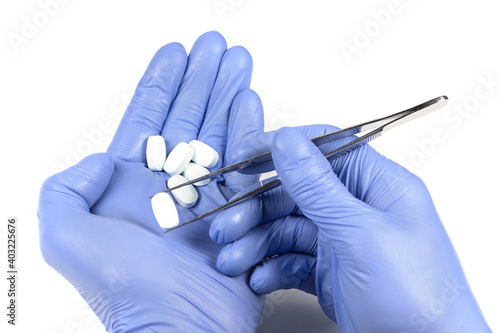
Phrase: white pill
(185, 196)
(178, 159)
(194, 171)
(204, 155)
(156, 152)
(165, 210)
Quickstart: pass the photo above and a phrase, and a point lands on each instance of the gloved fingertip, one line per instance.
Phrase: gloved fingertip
(248, 96)
(241, 151)
(96, 167)
(215, 233)
(221, 261)
(228, 261)
(240, 58)
(174, 52)
(287, 137)
(220, 227)
(107, 161)
(259, 282)
(214, 39)
(234, 222)
(214, 34)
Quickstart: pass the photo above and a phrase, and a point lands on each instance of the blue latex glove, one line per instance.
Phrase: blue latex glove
(290, 255)
(96, 224)
(384, 260)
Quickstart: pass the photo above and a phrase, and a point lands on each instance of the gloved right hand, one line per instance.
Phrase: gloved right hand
(384, 260)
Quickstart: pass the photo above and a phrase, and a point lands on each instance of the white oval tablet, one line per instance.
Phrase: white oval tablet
(194, 171)
(165, 210)
(156, 152)
(204, 155)
(185, 196)
(178, 159)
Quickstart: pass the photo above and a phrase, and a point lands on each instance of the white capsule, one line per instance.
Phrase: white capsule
(204, 155)
(156, 152)
(194, 171)
(178, 159)
(165, 210)
(185, 196)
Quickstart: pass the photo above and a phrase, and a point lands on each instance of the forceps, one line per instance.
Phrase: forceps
(376, 128)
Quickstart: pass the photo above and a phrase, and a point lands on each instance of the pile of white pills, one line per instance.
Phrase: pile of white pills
(187, 161)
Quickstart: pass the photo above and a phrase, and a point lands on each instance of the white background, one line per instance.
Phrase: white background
(83, 63)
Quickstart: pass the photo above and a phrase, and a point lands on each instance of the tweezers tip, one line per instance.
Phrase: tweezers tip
(166, 191)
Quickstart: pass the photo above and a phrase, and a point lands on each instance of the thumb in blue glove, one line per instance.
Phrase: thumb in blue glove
(385, 270)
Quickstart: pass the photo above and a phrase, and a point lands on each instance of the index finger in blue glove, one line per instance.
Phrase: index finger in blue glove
(234, 75)
(262, 143)
(285, 271)
(148, 109)
(378, 169)
(237, 220)
(246, 120)
(234, 222)
(289, 234)
(188, 110)
(284, 251)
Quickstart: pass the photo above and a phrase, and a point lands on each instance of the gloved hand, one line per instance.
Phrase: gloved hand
(96, 223)
(384, 260)
(290, 255)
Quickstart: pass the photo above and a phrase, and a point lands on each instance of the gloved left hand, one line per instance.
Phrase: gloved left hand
(96, 223)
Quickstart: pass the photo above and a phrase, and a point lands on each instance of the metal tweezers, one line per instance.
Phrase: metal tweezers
(376, 128)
